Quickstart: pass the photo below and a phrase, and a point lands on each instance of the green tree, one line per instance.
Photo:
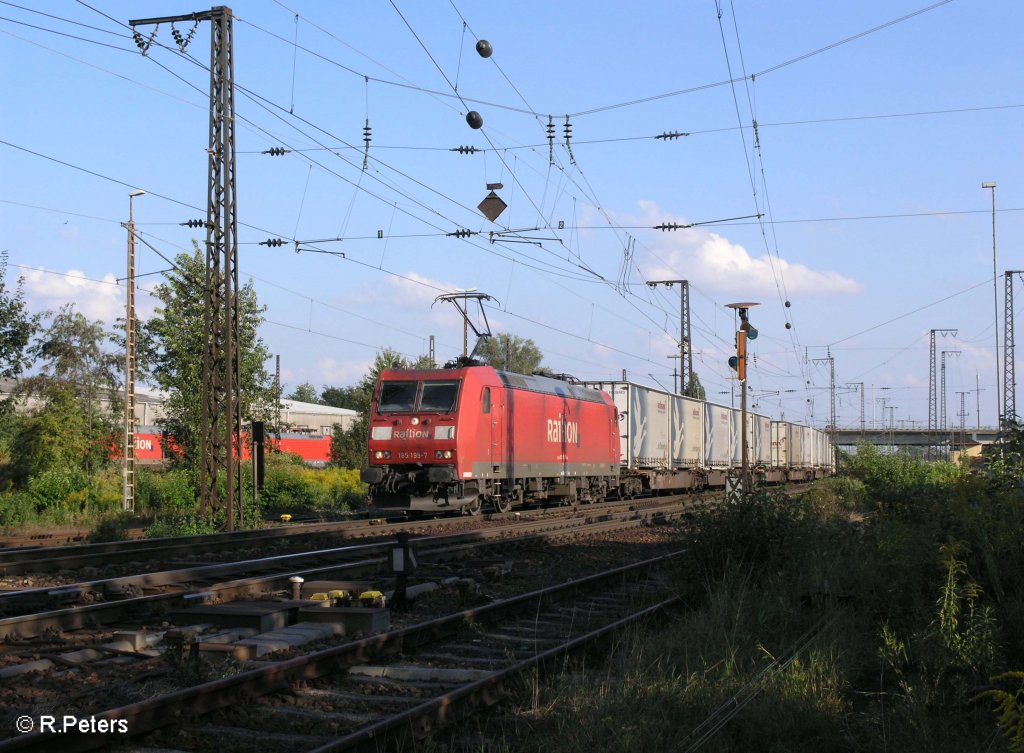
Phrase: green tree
(16, 330)
(171, 347)
(695, 388)
(54, 436)
(1007, 465)
(304, 393)
(17, 326)
(348, 447)
(511, 353)
(77, 385)
(352, 397)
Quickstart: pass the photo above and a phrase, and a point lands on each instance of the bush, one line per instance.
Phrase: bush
(52, 488)
(848, 493)
(109, 529)
(18, 508)
(897, 481)
(165, 492)
(294, 487)
(764, 535)
(181, 525)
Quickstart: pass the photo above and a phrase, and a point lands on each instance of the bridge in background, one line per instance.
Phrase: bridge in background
(916, 437)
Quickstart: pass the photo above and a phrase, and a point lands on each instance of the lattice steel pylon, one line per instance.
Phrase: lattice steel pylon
(932, 423)
(832, 400)
(942, 393)
(221, 429)
(1009, 376)
(685, 338)
(860, 388)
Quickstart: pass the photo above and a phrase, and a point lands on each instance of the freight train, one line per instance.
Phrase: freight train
(457, 439)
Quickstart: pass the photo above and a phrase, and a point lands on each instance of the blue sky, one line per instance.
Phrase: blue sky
(866, 166)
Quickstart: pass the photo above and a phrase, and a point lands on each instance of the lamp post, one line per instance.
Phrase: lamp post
(995, 300)
(128, 499)
(745, 332)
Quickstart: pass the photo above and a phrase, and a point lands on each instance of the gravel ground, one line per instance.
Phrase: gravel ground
(96, 686)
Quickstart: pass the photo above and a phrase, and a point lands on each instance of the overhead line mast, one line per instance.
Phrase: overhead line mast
(932, 393)
(1009, 375)
(221, 430)
(685, 341)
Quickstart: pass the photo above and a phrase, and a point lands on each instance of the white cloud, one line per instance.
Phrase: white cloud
(417, 294)
(102, 299)
(330, 371)
(716, 263)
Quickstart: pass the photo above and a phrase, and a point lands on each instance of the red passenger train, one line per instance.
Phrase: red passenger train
(454, 439)
(314, 449)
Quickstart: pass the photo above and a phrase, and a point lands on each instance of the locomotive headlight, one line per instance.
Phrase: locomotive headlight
(447, 454)
(414, 421)
(378, 455)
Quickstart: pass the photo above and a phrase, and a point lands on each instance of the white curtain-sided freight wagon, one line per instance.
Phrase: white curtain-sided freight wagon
(671, 442)
(687, 432)
(650, 427)
(762, 455)
(661, 436)
(645, 424)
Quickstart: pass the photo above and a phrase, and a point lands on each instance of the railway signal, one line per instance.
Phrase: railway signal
(746, 331)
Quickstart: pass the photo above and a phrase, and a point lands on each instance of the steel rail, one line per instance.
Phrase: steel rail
(428, 547)
(438, 708)
(20, 560)
(146, 716)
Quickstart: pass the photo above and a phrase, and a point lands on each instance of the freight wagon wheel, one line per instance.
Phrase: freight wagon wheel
(473, 508)
(501, 504)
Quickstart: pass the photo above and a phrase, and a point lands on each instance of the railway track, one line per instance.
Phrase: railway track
(405, 682)
(19, 561)
(34, 612)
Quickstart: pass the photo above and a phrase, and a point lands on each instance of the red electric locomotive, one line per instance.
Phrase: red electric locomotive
(455, 439)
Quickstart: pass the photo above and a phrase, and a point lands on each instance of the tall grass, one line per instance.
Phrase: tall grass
(912, 576)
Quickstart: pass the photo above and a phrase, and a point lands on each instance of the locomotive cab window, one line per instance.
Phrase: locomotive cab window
(487, 400)
(397, 396)
(439, 396)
